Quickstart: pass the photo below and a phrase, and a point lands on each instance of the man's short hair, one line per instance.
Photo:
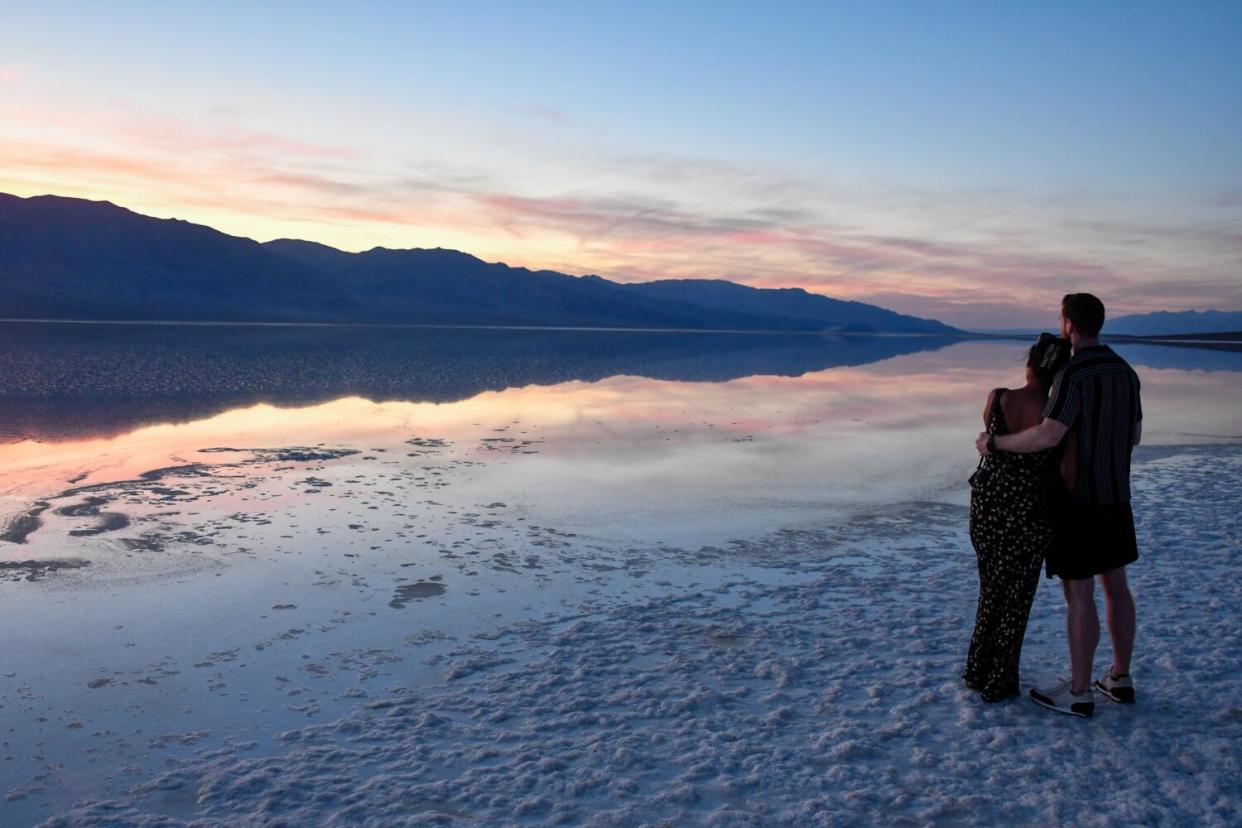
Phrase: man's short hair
(1085, 311)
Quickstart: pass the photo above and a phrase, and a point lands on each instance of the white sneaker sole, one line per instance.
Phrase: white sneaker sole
(1086, 709)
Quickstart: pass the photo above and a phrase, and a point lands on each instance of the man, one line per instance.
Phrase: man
(1094, 399)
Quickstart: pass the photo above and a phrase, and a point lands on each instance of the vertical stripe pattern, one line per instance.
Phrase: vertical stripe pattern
(1097, 395)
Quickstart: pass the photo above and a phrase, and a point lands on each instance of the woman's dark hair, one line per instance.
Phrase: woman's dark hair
(1048, 356)
(1085, 311)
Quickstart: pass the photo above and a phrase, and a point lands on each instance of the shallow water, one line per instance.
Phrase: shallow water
(670, 438)
(216, 533)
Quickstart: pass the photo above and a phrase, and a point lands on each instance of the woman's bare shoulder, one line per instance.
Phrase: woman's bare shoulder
(1022, 407)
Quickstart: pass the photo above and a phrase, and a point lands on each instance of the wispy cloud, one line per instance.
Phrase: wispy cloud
(216, 132)
(1226, 198)
(973, 257)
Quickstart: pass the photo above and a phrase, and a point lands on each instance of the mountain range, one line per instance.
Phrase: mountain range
(68, 258)
(1162, 323)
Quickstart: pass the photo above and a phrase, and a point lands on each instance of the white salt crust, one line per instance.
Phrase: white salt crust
(825, 693)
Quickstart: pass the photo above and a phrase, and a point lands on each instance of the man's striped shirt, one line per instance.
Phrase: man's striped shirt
(1096, 395)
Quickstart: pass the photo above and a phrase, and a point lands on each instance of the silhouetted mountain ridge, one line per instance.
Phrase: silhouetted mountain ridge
(66, 258)
(1161, 323)
(791, 303)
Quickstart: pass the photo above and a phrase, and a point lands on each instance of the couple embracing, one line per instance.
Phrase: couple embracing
(1053, 488)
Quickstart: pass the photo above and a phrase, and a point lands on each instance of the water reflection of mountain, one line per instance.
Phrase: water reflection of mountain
(1180, 356)
(76, 381)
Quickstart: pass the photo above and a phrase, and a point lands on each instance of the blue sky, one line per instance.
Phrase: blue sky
(969, 161)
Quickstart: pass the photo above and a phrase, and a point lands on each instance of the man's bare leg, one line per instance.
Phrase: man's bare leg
(1121, 623)
(1083, 626)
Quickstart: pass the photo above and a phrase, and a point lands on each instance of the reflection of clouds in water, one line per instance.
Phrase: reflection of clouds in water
(1185, 406)
(907, 394)
(332, 564)
(855, 425)
(69, 381)
(1182, 358)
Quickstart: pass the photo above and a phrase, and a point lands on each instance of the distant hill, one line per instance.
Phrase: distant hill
(67, 258)
(1175, 322)
(809, 310)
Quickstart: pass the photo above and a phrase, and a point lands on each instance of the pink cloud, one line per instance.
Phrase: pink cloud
(67, 162)
(1005, 278)
(629, 236)
(152, 130)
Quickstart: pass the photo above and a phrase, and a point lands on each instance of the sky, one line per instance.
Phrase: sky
(970, 162)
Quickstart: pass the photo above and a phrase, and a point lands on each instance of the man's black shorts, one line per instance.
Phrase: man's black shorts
(1090, 539)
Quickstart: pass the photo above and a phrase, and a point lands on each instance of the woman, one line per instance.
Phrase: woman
(1010, 525)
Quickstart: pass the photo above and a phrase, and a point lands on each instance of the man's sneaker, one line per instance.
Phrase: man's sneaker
(1117, 688)
(1060, 699)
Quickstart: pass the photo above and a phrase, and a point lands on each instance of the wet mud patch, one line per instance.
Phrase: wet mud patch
(415, 592)
(146, 489)
(108, 522)
(157, 541)
(186, 482)
(185, 470)
(145, 543)
(88, 507)
(92, 506)
(37, 570)
(509, 445)
(431, 444)
(166, 493)
(291, 454)
(20, 527)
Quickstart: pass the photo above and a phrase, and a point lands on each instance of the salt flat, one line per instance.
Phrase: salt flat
(809, 677)
(619, 602)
